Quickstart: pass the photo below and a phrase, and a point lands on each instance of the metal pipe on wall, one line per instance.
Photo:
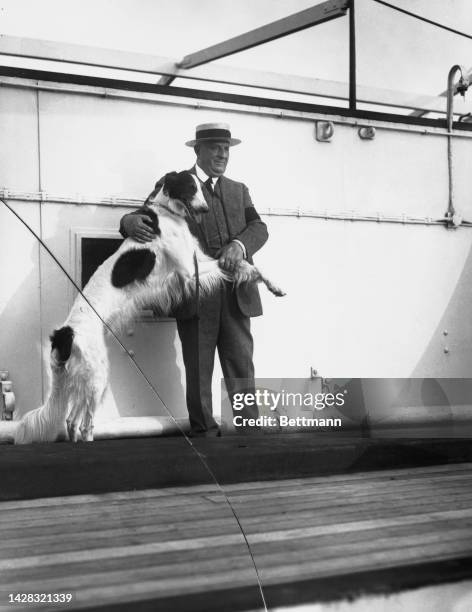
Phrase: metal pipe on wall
(91, 90)
(453, 220)
(352, 58)
(132, 203)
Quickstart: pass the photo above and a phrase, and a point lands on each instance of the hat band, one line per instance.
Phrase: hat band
(214, 133)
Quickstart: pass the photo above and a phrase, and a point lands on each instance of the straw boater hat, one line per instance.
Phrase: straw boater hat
(213, 131)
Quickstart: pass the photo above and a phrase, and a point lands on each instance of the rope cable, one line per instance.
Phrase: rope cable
(421, 18)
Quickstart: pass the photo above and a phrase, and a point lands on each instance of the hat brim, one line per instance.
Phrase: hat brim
(231, 141)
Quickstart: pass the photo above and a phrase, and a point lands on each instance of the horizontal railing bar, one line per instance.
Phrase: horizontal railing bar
(238, 99)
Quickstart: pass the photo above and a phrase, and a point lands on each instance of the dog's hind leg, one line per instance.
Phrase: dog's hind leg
(86, 428)
(86, 397)
(81, 404)
(75, 416)
(89, 377)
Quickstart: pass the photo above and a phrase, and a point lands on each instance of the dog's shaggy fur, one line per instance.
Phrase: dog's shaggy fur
(161, 273)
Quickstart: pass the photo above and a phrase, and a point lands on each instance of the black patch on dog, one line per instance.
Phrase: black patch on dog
(61, 340)
(180, 186)
(153, 221)
(132, 266)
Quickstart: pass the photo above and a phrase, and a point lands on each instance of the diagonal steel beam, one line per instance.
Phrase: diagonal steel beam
(276, 29)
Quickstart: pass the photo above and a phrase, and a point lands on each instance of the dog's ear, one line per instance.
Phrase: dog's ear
(179, 208)
(170, 181)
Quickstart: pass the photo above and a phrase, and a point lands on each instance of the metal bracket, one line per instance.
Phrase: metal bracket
(453, 221)
(7, 397)
(366, 132)
(324, 131)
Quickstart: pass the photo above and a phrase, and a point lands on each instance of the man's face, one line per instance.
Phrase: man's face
(212, 156)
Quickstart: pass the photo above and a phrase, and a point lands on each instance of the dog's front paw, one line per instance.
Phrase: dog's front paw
(244, 275)
(277, 291)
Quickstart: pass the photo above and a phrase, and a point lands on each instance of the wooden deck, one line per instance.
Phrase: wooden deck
(180, 548)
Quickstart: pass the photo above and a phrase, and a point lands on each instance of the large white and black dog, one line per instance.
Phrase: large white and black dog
(159, 273)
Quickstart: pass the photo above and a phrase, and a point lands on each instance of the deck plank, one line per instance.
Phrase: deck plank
(213, 518)
(387, 536)
(325, 494)
(334, 559)
(380, 476)
(316, 510)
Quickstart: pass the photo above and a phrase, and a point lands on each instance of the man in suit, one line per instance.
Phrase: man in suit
(230, 231)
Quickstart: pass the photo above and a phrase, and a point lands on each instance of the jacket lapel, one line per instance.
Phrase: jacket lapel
(225, 189)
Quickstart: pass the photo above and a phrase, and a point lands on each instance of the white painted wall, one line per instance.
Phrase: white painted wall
(364, 299)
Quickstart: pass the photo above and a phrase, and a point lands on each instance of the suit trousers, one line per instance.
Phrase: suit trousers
(220, 325)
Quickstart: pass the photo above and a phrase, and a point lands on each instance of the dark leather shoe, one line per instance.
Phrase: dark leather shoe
(209, 433)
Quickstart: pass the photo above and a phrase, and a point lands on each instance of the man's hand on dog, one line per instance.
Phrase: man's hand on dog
(230, 256)
(139, 228)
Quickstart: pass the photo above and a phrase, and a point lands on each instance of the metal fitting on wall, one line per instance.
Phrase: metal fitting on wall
(324, 131)
(366, 132)
(7, 397)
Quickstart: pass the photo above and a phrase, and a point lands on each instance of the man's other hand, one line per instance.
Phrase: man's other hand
(230, 256)
(138, 227)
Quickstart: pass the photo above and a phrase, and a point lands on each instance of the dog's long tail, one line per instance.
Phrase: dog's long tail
(48, 422)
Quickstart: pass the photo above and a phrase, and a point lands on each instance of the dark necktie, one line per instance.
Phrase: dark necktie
(209, 185)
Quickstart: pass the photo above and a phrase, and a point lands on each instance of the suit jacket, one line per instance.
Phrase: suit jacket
(244, 224)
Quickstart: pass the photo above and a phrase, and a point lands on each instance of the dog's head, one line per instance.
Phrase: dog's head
(181, 192)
